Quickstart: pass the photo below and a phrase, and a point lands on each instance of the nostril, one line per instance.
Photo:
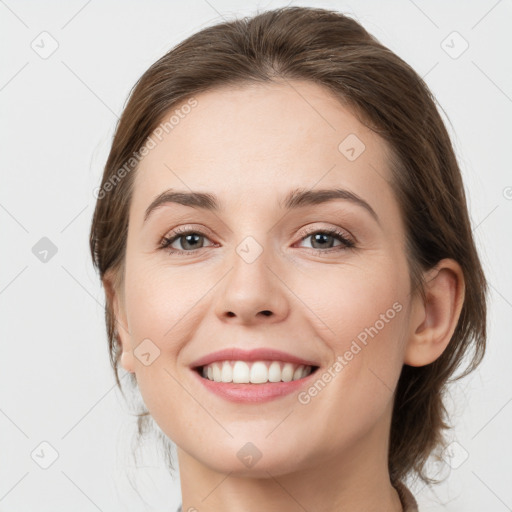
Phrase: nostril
(267, 312)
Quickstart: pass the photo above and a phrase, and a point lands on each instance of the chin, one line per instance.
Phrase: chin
(256, 459)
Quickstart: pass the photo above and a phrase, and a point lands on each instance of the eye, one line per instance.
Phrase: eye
(188, 239)
(322, 240)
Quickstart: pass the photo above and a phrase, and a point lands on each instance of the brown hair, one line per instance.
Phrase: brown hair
(333, 50)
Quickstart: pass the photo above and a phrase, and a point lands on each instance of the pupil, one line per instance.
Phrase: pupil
(188, 237)
(322, 236)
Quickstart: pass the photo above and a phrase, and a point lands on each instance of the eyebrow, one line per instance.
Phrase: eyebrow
(297, 198)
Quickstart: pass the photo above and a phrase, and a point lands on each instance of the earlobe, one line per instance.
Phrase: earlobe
(121, 332)
(434, 320)
(127, 361)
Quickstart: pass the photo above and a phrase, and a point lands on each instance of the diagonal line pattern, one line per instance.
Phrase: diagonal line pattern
(217, 486)
(74, 218)
(380, 379)
(13, 279)
(93, 406)
(13, 13)
(82, 286)
(424, 14)
(508, 508)
(81, 491)
(503, 407)
(491, 80)
(502, 296)
(90, 90)
(14, 485)
(95, 299)
(485, 218)
(14, 423)
(431, 69)
(279, 423)
(75, 15)
(14, 76)
(14, 218)
(481, 19)
(376, 171)
(221, 15)
(286, 491)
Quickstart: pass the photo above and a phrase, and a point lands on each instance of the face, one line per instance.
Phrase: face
(323, 280)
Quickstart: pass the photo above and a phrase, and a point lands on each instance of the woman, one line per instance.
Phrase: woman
(291, 279)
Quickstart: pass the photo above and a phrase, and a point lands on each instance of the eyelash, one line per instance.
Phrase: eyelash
(335, 232)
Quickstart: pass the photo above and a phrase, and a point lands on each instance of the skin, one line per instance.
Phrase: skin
(251, 145)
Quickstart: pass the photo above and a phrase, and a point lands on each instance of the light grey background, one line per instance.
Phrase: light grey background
(58, 115)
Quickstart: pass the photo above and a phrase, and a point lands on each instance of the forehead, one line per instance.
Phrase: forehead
(252, 144)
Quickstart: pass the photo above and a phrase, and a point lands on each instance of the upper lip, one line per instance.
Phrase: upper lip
(257, 354)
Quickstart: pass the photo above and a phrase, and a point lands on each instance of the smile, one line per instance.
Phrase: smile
(253, 376)
(254, 372)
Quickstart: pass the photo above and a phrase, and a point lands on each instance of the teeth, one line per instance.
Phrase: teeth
(297, 374)
(287, 373)
(257, 372)
(274, 372)
(227, 372)
(240, 372)
(216, 373)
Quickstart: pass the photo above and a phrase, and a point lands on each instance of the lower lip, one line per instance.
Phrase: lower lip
(253, 393)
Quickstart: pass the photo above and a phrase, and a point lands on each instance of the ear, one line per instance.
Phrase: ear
(434, 320)
(116, 300)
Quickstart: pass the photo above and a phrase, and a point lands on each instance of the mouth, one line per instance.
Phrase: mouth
(254, 372)
(253, 376)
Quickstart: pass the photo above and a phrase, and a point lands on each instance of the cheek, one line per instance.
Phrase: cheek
(350, 299)
(161, 307)
(158, 300)
(361, 313)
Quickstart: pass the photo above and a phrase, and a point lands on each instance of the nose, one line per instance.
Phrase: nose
(252, 293)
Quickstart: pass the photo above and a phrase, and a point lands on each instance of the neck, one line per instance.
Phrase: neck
(355, 479)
